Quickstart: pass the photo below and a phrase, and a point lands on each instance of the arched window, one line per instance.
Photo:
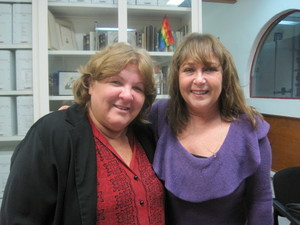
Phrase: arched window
(276, 68)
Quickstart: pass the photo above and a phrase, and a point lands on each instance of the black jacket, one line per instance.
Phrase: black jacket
(53, 171)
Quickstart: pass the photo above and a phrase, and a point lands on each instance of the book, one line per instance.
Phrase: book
(86, 41)
(53, 84)
(7, 116)
(139, 39)
(6, 24)
(24, 114)
(7, 81)
(22, 20)
(23, 60)
(53, 35)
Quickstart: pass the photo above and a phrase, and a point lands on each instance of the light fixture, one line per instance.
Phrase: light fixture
(287, 22)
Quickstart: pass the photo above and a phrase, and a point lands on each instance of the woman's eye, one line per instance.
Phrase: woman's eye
(116, 82)
(210, 69)
(188, 70)
(139, 89)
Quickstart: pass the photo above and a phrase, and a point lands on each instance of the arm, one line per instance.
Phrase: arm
(259, 192)
(156, 115)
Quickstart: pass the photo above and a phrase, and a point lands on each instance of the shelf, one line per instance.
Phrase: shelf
(17, 1)
(70, 52)
(11, 138)
(87, 53)
(61, 98)
(89, 9)
(162, 96)
(83, 16)
(153, 11)
(83, 9)
(79, 57)
(71, 98)
(15, 92)
(15, 46)
(9, 143)
(221, 1)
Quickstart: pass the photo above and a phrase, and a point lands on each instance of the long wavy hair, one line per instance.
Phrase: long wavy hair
(111, 61)
(199, 48)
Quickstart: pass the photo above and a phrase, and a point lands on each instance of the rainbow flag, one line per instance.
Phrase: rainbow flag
(165, 38)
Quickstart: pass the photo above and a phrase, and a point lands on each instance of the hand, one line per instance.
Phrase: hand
(63, 107)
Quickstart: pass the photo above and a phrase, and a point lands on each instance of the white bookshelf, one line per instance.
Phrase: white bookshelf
(82, 16)
(45, 61)
(14, 46)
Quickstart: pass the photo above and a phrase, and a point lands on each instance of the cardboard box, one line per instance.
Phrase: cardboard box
(22, 23)
(23, 69)
(5, 23)
(24, 114)
(7, 116)
(7, 81)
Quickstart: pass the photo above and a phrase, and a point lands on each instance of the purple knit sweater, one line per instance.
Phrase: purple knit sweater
(233, 188)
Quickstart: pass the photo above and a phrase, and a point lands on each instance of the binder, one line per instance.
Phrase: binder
(22, 20)
(6, 24)
(7, 116)
(24, 114)
(24, 69)
(7, 82)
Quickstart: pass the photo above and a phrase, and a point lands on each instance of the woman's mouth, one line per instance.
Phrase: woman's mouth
(199, 92)
(122, 107)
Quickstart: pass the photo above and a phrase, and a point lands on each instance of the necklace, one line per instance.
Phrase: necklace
(204, 140)
(214, 152)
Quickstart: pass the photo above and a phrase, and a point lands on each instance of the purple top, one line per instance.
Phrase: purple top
(232, 188)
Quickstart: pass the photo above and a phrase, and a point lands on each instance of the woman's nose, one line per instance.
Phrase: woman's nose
(126, 93)
(199, 78)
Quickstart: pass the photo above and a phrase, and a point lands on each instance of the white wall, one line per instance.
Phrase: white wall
(240, 26)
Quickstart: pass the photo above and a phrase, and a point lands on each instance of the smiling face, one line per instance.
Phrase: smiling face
(117, 100)
(200, 85)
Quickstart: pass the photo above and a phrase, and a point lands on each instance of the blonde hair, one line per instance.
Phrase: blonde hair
(111, 61)
(199, 48)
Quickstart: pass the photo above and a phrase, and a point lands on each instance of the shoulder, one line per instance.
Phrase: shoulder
(161, 104)
(71, 116)
(56, 124)
(260, 131)
(159, 108)
(157, 113)
(145, 135)
(142, 129)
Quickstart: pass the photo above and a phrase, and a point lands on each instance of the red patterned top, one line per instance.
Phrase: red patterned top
(126, 195)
